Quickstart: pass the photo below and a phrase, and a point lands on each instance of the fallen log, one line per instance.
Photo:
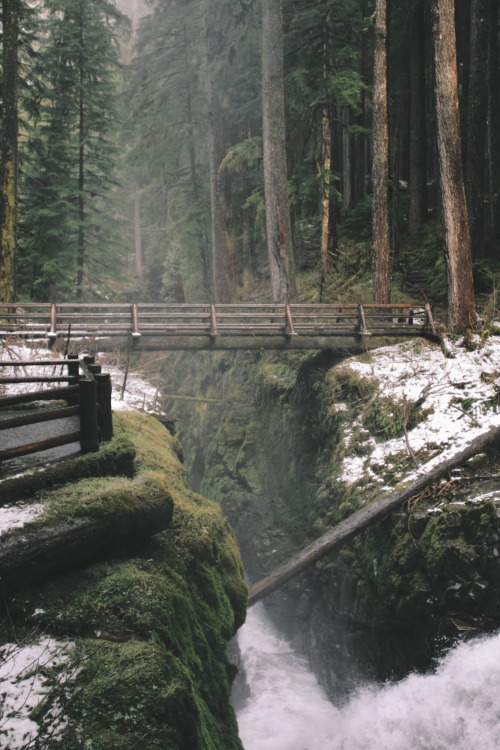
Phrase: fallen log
(115, 523)
(365, 517)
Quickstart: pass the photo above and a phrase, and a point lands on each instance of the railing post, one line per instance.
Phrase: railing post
(105, 413)
(290, 331)
(73, 365)
(134, 313)
(429, 320)
(89, 433)
(52, 336)
(361, 327)
(213, 320)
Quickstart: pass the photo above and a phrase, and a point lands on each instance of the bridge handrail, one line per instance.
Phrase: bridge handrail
(55, 319)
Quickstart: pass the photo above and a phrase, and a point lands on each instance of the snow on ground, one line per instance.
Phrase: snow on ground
(24, 685)
(458, 391)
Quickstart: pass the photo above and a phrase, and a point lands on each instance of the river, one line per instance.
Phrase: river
(457, 707)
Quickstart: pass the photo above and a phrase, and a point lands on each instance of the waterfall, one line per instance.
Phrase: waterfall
(457, 707)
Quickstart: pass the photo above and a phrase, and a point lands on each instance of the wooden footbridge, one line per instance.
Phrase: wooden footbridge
(162, 327)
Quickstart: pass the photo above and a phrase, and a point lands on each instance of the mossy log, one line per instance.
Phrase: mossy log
(115, 524)
(367, 516)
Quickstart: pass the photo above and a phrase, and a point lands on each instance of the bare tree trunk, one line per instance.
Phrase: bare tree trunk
(80, 256)
(221, 272)
(396, 164)
(367, 516)
(418, 173)
(380, 164)
(347, 161)
(327, 211)
(476, 123)
(361, 166)
(9, 147)
(278, 226)
(139, 258)
(494, 121)
(205, 253)
(461, 313)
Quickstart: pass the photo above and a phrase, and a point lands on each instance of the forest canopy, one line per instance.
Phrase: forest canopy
(326, 150)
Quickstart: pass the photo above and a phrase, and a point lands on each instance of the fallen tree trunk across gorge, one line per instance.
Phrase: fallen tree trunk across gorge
(365, 517)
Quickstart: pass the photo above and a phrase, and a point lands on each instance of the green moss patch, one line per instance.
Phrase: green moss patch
(149, 667)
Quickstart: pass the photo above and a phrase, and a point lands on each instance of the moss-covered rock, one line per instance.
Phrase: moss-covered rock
(147, 633)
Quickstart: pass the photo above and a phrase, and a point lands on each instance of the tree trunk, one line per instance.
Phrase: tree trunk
(205, 253)
(328, 229)
(361, 166)
(115, 526)
(476, 123)
(461, 313)
(278, 226)
(222, 290)
(139, 257)
(418, 157)
(380, 164)
(80, 258)
(396, 165)
(347, 162)
(365, 517)
(494, 122)
(9, 148)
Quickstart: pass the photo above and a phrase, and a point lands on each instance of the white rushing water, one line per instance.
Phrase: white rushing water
(455, 708)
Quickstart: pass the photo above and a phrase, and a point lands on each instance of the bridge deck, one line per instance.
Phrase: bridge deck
(209, 326)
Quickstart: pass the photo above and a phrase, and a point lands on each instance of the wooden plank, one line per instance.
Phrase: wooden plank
(34, 363)
(49, 394)
(41, 445)
(37, 379)
(42, 416)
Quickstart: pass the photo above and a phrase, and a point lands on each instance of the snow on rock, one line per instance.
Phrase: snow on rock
(23, 685)
(457, 391)
(15, 516)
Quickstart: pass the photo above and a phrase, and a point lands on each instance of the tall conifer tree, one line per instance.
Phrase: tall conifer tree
(71, 150)
(9, 147)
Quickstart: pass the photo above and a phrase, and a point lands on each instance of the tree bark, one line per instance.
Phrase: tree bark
(80, 257)
(278, 226)
(328, 226)
(365, 517)
(494, 121)
(347, 162)
(476, 123)
(380, 164)
(461, 312)
(221, 262)
(138, 251)
(418, 156)
(9, 149)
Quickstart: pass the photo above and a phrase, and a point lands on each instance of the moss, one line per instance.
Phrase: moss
(150, 632)
(116, 458)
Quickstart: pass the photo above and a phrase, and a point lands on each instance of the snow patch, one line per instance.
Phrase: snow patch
(23, 685)
(16, 516)
(458, 392)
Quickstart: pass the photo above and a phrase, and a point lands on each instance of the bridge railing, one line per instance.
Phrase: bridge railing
(150, 319)
(87, 394)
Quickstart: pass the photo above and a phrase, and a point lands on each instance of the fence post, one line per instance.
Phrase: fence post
(73, 365)
(361, 328)
(89, 433)
(52, 336)
(105, 414)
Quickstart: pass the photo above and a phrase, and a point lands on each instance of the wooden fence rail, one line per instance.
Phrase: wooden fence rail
(87, 395)
(215, 324)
